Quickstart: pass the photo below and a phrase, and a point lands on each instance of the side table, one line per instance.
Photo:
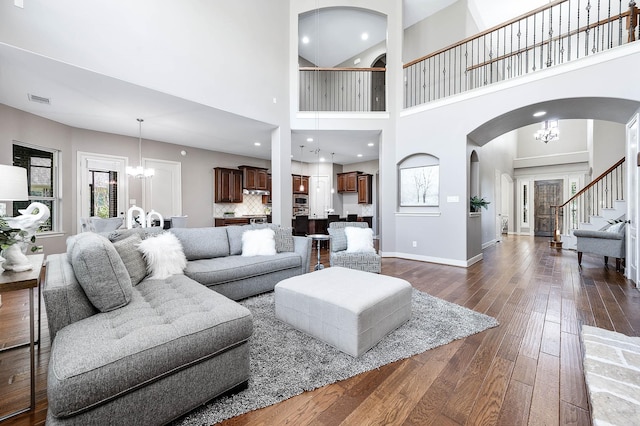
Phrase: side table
(12, 281)
(319, 238)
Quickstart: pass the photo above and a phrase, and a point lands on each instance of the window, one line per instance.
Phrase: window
(104, 191)
(42, 178)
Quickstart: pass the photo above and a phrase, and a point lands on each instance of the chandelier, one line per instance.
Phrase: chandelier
(140, 172)
(548, 132)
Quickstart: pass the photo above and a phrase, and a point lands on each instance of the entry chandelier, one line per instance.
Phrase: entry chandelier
(548, 132)
(140, 172)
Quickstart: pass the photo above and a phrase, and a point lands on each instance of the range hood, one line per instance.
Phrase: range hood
(255, 191)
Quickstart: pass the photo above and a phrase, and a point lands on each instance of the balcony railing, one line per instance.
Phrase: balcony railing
(342, 89)
(554, 34)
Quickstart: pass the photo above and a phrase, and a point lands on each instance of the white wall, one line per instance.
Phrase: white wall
(573, 138)
(496, 155)
(444, 28)
(489, 13)
(608, 145)
(207, 52)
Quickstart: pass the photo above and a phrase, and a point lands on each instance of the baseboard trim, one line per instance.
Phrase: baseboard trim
(431, 259)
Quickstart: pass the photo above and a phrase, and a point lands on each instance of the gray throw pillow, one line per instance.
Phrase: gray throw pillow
(338, 239)
(284, 239)
(203, 243)
(101, 272)
(234, 233)
(132, 258)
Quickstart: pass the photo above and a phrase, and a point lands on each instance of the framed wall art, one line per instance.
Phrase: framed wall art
(420, 186)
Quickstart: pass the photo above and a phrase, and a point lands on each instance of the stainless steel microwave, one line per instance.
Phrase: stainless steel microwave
(300, 200)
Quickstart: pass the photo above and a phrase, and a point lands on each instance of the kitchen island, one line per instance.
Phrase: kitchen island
(240, 220)
(319, 225)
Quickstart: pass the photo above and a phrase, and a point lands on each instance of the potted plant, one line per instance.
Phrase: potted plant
(477, 202)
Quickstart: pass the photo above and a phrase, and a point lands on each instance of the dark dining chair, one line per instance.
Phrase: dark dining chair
(301, 226)
(332, 218)
(352, 218)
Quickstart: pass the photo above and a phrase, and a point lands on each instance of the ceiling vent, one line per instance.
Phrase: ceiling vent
(39, 99)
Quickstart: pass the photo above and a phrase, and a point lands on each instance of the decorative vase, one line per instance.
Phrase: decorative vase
(15, 259)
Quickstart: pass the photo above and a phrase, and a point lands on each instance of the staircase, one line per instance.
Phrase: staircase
(591, 207)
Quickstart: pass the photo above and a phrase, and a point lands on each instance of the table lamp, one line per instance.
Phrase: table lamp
(14, 187)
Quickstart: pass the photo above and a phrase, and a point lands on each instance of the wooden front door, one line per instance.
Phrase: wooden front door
(547, 193)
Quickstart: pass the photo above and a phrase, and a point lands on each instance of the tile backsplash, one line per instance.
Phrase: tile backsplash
(251, 205)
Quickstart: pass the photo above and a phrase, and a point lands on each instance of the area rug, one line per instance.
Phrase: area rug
(286, 362)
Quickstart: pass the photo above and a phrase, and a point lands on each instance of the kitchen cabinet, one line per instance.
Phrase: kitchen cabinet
(266, 199)
(297, 180)
(227, 221)
(254, 178)
(227, 185)
(364, 189)
(348, 182)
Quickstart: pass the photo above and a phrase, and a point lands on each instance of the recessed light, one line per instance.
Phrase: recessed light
(364, 36)
(539, 113)
(359, 155)
(322, 159)
(370, 144)
(305, 40)
(257, 143)
(309, 139)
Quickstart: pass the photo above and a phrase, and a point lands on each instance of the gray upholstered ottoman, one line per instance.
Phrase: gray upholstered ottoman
(348, 309)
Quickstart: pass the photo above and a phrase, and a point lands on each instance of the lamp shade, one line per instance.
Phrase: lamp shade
(13, 183)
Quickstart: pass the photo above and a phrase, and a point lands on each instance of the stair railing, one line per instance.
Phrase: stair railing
(601, 193)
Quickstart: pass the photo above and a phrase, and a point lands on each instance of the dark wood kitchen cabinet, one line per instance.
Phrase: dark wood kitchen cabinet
(227, 185)
(266, 199)
(254, 177)
(348, 182)
(297, 180)
(364, 189)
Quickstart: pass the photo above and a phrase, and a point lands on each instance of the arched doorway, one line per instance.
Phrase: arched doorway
(378, 85)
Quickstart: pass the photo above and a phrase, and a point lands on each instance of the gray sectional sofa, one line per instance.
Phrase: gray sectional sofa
(147, 352)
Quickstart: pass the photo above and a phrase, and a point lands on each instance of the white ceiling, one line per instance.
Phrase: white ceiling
(84, 99)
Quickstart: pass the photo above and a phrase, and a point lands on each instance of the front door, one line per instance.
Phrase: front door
(547, 193)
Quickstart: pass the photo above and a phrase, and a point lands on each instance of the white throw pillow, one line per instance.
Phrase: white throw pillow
(259, 242)
(615, 228)
(359, 240)
(163, 255)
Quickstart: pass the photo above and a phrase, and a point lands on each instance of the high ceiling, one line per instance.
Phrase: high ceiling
(84, 99)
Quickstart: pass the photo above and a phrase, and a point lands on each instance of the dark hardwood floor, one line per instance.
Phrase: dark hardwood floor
(528, 370)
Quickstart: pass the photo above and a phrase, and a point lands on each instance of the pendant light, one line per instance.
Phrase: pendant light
(301, 184)
(140, 172)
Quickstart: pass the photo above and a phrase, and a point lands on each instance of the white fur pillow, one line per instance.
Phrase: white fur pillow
(163, 255)
(359, 240)
(259, 242)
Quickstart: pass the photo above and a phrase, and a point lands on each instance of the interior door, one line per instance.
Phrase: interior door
(378, 85)
(633, 200)
(319, 196)
(163, 192)
(547, 193)
(88, 161)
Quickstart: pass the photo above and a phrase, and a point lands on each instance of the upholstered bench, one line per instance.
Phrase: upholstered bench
(348, 309)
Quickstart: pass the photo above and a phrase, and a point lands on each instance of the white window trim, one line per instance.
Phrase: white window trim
(56, 199)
